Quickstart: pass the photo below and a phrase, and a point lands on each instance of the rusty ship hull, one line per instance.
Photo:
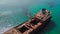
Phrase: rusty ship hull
(33, 25)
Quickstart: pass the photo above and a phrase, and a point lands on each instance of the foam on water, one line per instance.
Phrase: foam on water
(4, 29)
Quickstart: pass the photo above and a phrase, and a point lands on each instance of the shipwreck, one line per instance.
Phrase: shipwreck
(33, 25)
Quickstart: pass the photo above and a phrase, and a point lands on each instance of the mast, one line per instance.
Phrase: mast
(27, 12)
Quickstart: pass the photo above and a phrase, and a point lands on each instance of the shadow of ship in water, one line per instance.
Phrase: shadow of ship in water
(47, 28)
(51, 25)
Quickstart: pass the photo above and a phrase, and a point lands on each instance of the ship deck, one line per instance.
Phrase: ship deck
(31, 24)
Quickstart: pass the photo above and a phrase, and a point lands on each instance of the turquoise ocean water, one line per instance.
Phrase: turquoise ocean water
(11, 17)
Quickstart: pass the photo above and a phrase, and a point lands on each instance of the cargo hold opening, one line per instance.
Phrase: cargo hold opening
(23, 29)
(35, 21)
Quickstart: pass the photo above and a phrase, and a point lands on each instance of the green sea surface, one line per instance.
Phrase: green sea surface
(54, 26)
(16, 18)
